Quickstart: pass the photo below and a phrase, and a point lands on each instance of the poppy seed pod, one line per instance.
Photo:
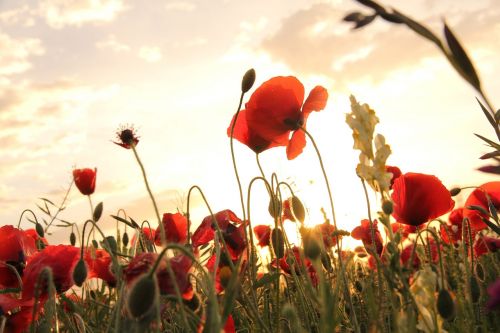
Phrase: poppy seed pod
(445, 305)
(248, 80)
(80, 273)
(142, 296)
(298, 209)
(278, 242)
(72, 239)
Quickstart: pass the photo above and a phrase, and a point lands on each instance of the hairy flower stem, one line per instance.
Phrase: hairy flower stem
(160, 224)
(347, 294)
(92, 231)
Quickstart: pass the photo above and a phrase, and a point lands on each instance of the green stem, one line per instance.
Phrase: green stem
(162, 228)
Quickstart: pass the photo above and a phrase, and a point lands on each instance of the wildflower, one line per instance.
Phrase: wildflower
(274, 111)
(34, 234)
(485, 244)
(15, 247)
(127, 137)
(364, 233)
(180, 265)
(327, 233)
(404, 229)
(292, 259)
(419, 198)
(147, 234)
(175, 228)
(232, 229)
(19, 321)
(61, 259)
(99, 263)
(263, 233)
(451, 232)
(395, 172)
(85, 180)
(478, 198)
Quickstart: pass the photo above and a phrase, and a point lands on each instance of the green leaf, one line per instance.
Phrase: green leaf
(419, 28)
(461, 58)
(488, 141)
(130, 224)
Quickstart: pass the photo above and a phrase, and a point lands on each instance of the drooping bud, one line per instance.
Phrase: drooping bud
(225, 274)
(95, 244)
(97, 212)
(143, 295)
(72, 238)
(80, 273)
(298, 209)
(455, 191)
(125, 239)
(274, 207)
(111, 242)
(278, 242)
(39, 229)
(248, 80)
(445, 305)
(387, 207)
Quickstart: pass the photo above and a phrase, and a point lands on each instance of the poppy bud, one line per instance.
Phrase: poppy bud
(475, 290)
(193, 303)
(97, 212)
(274, 207)
(72, 239)
(445, 305)
(225, 274)
(480, 272)
(455, 191)
(248, 80)
(325, 261)
(298, 209)
(312, 249)
(142, 296)
(278, 242)
(39, 229)
(95, 244)
(111, 242)
(387, 207)
(125, 239)
(80, 273)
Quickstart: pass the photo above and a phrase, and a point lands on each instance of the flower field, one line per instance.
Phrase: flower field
(423, 263)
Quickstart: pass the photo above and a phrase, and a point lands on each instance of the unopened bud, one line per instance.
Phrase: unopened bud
(455, 191)
(274, 207)
(278, 242)
(142, 296)
(95, 244)
(72, 239)
(225, 274)
(298, 209)
(248, 80)
(125, 239)
(312, 249)
(80, 273)
(111, 242)
(39, 229)
(387, 207)
(445, 305)
(475, 290)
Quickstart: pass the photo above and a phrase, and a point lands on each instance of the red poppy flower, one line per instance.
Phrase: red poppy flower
(364, 233)
(287, 262)
(263, 233)
(61, 259)
(419, 198)
(396, 172)
(404, 229)
(127, 137)
(85, 180)
(234, 236)
(274, 111)
(146, 234)
(451, 232)
(19, 321)
(99, 265)
(15, 247)
(175, 228)
(33, 234)
(478, 198)
(180, 265)
(287, 210)
(494, 296)
(326, 232)
(485, 245)
(407, 251)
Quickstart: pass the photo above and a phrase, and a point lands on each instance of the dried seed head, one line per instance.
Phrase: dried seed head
(142, 297)
(248, 80)
(445, 305)
(80, 273)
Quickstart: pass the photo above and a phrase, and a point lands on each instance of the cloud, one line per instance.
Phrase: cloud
(150, 53)
(182, 6)
(61, 13)
(111, 43)
(15, 53)
(24, 16)
(315, 41)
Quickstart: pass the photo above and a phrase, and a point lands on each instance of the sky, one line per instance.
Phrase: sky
(73, 71)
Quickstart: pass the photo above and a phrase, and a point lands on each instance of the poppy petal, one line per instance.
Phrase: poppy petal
(296, 144)
(316, 101)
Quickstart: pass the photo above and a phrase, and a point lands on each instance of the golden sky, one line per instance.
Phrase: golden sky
(72, 71)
